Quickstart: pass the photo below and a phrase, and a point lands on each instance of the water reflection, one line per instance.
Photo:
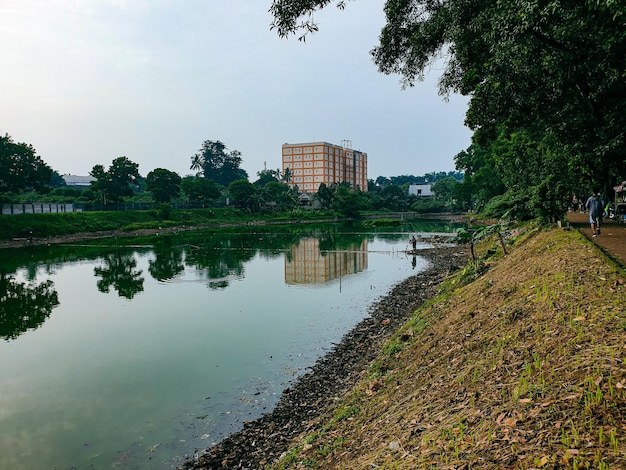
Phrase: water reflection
(24, 306)
(308, 264)
(220, 259)
(119, 272)
(168, 260)
(312, 255)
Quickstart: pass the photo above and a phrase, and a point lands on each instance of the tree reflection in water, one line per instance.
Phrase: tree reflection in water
(221, 258)
(24, 306)
(168, 262)
(119, 272)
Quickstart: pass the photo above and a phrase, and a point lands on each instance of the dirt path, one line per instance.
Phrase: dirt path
(612, 238)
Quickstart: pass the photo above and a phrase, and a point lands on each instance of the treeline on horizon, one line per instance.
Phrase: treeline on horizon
(26, 178)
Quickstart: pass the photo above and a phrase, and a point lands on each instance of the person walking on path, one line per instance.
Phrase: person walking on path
(595, 206)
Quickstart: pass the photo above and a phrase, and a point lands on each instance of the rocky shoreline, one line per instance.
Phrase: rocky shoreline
(264, 440)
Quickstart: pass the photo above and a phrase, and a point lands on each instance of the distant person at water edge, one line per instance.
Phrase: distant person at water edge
(595, 206)
(414, 242)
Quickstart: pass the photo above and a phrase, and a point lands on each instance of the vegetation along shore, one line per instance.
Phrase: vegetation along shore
(513, 360)
(42, 229)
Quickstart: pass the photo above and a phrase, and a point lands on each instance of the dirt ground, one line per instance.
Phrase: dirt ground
(612, 238)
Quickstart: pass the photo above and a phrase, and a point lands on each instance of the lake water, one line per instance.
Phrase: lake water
(136, 353)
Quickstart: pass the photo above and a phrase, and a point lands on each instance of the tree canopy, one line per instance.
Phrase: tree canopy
(243, 194)
(198, 189)
(20, 167)
(163, 184)
(216, 163)
(267, 176)
(116, 183)
(552, 73)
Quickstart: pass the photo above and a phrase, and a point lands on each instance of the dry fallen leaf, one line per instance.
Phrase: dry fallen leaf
(510, 422)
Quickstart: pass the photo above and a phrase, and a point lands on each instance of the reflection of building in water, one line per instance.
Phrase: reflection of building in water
(307, 265)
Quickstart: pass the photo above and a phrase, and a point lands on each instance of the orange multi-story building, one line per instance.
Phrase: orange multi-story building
(314, 163)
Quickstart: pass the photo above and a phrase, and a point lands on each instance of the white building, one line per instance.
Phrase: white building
(75, 181)
(422, 190)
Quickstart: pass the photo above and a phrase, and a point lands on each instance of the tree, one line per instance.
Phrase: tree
(394, 198)
(349, 202)
(287, 175)
(383, 181)
(56, 180)
(267, 176)
(325, 195)
(243, 194)
(287, 13)
(446, 191)
(547, 69)
(280, 194)
(116, 183)
(163, 184)
(481, 180)
(535, 174)
(198, 189)
(20, 168)
(215, 162)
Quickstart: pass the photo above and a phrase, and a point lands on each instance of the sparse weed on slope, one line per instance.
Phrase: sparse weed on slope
(524, 367)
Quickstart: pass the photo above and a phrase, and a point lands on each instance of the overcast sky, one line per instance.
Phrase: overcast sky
(87, 81)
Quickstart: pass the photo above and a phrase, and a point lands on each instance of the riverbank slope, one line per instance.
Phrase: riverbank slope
(519, 363)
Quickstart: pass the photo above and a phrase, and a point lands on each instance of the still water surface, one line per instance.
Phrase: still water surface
(136, 356)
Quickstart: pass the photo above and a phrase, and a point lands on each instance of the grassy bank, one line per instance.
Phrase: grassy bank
(50, 225)
(43, 226)
(519, 363)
